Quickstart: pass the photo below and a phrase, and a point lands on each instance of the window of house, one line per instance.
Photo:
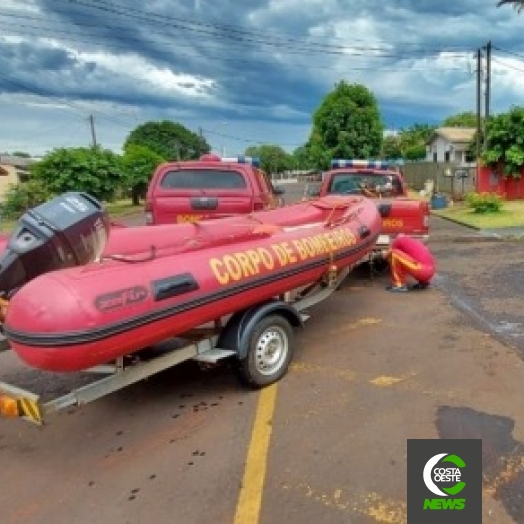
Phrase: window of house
(446, 156)
(434, 157)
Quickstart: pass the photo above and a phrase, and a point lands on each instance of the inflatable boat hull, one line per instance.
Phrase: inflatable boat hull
(156, 283)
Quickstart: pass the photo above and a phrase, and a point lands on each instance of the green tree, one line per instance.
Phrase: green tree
(301, 158)
(415, 136)
(170, 140)
(517, 4)
(391, 147)
(21, 154)
(273, 159)
(138, 164)
(95, 171)
(415, 152)
(23, 196)
(465, 119)
(505, 142)
(347, 124)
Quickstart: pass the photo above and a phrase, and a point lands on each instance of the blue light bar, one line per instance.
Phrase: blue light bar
(254, 161)
(366, 164)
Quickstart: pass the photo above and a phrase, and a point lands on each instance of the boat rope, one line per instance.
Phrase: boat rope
(3, 308)
(123, 258)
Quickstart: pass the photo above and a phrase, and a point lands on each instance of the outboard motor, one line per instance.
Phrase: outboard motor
(69, 230)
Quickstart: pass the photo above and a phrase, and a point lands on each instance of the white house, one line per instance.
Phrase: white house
(450, 144)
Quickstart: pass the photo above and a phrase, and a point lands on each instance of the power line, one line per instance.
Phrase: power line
(243, 139)
(509, 66)
(47, 94)
(507, 51)
(346, 51)
(225, 31)
(308, 66)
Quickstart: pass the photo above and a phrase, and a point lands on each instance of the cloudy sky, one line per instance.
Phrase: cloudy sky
(245, 72)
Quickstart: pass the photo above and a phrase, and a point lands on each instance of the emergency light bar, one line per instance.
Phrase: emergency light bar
(366, 164)
(254, 161)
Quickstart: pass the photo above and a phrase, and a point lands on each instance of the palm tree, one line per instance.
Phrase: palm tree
(517, 4)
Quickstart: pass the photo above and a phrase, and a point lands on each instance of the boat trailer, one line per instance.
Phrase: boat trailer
(227, 338)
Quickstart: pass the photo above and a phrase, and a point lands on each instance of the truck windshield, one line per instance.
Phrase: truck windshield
(203, 179)
(368, 184)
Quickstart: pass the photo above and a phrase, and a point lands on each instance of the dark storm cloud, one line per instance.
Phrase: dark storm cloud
(264, 60)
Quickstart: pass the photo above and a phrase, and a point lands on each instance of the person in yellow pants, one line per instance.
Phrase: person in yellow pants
(408, 256)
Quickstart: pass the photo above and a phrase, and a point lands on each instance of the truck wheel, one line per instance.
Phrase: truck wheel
(269, 352)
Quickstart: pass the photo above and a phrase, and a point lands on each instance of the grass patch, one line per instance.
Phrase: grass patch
(511, 215)
(122, 208)
(117, 209)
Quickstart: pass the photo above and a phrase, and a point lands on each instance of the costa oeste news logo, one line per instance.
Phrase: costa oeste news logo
(444, 481)
(433, 476)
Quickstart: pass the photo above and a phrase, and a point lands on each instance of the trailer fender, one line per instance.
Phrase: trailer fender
(236, 333)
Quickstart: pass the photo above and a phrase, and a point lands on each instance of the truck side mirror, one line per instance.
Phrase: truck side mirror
(279, 190)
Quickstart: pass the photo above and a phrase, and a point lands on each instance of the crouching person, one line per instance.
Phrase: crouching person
(409, 257)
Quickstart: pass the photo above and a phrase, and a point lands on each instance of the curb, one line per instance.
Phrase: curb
(455, 221)
(464, 239)
(484, 235)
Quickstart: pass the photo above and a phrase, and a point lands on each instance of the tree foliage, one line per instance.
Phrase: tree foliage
(96, 171)
(415, 136)
(413, 141)
(465, 119)
(505, 142)
(170, 140)
(391, 147)
(347, 124)
(301, 158)
(273, 159)
(21, 197)
(518, 5)
(21, 154)
(138, 164)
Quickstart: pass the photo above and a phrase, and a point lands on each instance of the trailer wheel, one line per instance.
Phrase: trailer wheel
(269, 354)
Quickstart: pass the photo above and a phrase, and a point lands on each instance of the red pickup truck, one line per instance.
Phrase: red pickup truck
(211, 187)
(384, 184)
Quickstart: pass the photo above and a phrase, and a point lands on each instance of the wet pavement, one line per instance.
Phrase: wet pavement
(484, 279)
(371, 370)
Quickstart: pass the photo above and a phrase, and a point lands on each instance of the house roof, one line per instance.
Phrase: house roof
(459, 135)
(17, 161)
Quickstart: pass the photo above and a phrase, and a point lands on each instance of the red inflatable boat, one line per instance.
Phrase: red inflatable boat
(151, 284)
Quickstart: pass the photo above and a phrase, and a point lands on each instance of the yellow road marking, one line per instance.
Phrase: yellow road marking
(372, 505)
(384, 380)
(305, 367)
(387, 380)
(350, 326)
(250, 499)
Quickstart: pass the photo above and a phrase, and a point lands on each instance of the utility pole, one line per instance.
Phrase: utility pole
(479, 97)
(92, 125)
(488, 89)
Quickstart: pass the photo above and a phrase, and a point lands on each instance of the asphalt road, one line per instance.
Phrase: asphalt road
(326, 444)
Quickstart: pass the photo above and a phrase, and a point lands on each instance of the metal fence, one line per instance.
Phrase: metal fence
(461, 181)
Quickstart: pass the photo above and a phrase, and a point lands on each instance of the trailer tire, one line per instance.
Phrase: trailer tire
(270, 351)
